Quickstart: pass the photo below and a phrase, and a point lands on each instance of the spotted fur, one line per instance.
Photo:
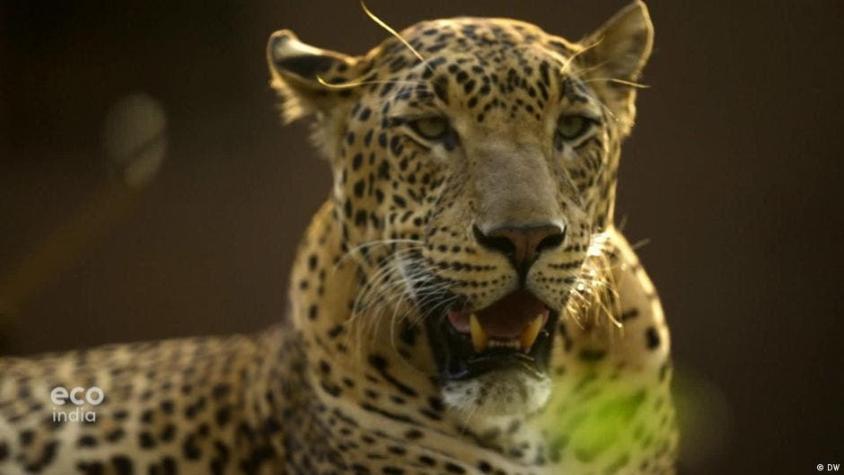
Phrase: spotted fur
(347, 383)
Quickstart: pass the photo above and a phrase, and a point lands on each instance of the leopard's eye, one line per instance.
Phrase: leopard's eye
(431, 128)
(571, 127)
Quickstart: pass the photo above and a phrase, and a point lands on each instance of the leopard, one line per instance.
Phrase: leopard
(462, 302)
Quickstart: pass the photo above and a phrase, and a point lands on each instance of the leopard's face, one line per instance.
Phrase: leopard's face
(470, 184)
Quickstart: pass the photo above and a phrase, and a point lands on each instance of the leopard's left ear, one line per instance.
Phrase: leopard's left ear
(615, 55)
(301, 75)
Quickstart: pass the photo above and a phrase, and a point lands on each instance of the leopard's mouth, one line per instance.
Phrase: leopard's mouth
(515, 332)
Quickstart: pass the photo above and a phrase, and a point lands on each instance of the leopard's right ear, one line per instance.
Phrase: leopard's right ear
(303, 76)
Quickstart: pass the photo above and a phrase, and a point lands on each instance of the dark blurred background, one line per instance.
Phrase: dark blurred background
(733, 176)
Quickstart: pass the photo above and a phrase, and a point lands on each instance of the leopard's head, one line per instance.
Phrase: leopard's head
(474, 163)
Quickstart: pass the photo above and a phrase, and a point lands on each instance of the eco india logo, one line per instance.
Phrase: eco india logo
(79, 398)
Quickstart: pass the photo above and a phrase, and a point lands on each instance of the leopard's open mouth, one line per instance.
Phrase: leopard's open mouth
(515, 332)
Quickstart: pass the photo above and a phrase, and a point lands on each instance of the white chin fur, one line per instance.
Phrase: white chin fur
(497, 393)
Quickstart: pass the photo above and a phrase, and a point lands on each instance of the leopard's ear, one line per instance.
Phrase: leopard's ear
(301, 75)
(614, 56)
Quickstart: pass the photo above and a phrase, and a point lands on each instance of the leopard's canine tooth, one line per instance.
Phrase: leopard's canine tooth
(479, 336)
(531, 332)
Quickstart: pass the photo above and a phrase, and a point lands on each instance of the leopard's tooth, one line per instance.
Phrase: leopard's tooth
(530, 332)
(479, 336)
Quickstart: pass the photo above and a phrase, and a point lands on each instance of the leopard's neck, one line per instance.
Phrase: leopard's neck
(599, 368)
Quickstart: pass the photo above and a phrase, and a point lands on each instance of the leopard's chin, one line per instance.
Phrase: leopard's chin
(506, 392)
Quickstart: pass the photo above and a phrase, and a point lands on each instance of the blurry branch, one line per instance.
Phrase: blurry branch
(63, 247)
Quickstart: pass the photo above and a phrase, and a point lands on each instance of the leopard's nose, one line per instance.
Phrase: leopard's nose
(521, 244)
